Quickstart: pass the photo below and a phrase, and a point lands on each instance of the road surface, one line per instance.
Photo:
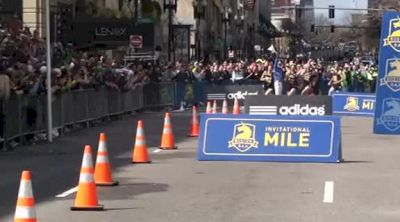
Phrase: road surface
(178, 188)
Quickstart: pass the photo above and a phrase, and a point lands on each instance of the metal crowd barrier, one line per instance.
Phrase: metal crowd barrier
(26, 115)
(159, 95)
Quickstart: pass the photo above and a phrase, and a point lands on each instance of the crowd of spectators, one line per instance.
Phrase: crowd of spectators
(23, 55)
(22, 64)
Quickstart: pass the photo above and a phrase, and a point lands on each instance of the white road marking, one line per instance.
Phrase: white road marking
(68, 192)
(328, 192)
(157, 150)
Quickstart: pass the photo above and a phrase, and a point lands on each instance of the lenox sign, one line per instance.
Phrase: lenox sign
(109, 32)
(104, 31)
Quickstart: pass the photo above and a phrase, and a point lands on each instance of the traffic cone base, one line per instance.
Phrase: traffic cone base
(144, 162)
(193, 135)
(115, 183)
(168, 148)
(98, 208)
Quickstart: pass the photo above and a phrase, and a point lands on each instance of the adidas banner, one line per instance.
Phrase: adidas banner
(230, 92)
(270, 138)
(387, 110)
(353, 104)
(289, 105)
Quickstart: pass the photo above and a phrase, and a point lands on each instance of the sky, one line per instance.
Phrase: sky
(341, 16)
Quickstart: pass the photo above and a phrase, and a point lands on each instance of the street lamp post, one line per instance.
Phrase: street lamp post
(225, 20)
(171, 6)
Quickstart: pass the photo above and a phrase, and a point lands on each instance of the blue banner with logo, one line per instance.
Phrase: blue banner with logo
(387, 111)
(354, 104)
(270, 138)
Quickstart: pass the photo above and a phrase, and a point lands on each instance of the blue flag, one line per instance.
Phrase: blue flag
(277, 71)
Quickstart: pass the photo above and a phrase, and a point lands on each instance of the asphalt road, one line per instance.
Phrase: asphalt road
(176, 187)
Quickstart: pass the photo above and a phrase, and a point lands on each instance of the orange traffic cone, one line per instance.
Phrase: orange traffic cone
(225, 107)
(167, 140)
(215, 107)
(236, 107)
(194, 131)
(102, 171)
(86, 197)
(25, 210)
(208, 109)
(140, 154)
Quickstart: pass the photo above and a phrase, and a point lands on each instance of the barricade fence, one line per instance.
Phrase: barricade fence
(27, 115)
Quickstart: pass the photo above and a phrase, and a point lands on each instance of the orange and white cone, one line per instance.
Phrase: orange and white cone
(140, 154)
(236, 107)
(225, 107)
(25, 210)
(167, 139)
(86, 197)
(215, 107)
(208, 109)
(102, 171)
(194, 128)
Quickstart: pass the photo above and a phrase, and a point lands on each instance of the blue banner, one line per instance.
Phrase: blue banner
(354, 104)
(387, 111)
(270, 138)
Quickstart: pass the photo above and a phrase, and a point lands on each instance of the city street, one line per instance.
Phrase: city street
(176, 187)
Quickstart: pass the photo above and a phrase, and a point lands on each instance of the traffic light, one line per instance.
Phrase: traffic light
(332, 28)
(312, 28)
(331, 11)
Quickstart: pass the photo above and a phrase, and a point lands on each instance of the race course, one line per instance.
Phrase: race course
(176, 187)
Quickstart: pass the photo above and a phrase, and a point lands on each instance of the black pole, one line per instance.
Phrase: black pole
(136, 12)
(198, 37)
(169, 32)
(225, 38)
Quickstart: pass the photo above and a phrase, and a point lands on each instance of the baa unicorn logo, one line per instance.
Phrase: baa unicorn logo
(352, 104)
(392, 75)
(391, 114)
(393, 39)
(243, 137)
